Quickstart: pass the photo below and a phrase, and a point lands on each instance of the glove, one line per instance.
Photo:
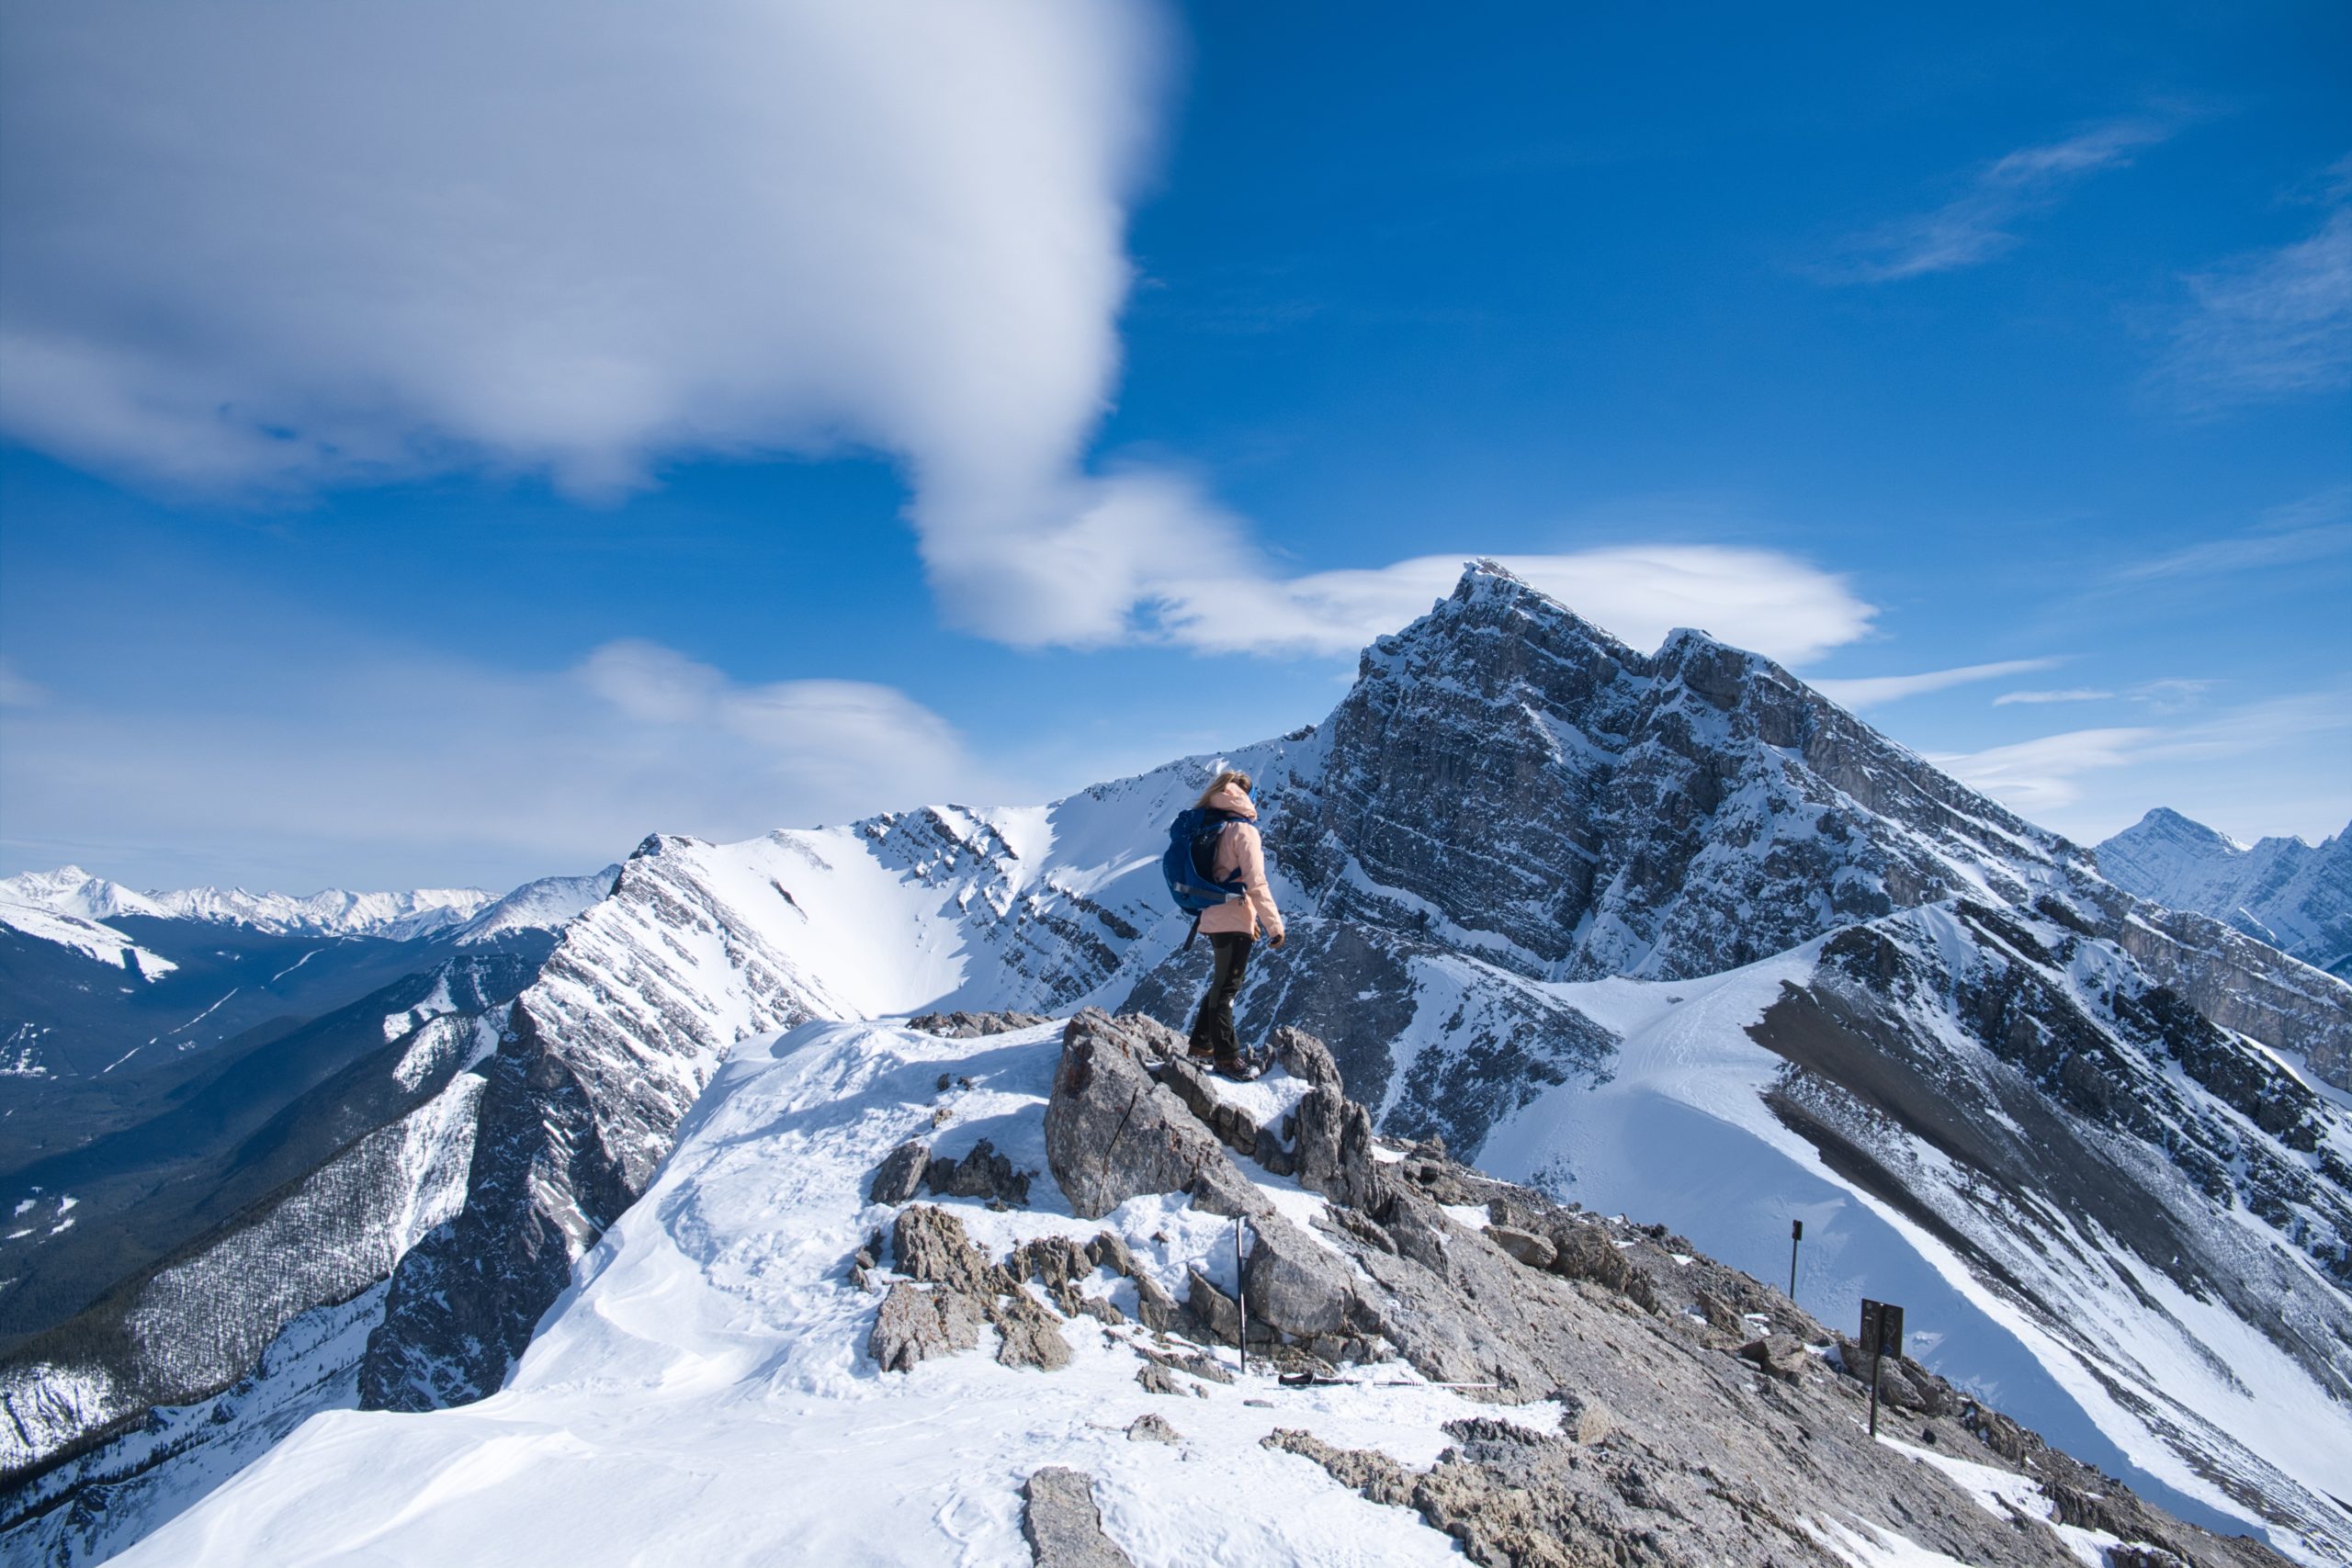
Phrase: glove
(1277, 940)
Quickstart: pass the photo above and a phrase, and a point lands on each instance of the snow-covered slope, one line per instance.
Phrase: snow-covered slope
(1510, 810)
(2294, 896)
(706, 1391)
(542, 906)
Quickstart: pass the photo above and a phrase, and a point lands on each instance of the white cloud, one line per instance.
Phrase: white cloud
(16, 690)
(2034, 776)
(1858, 693)
(254, 245)
(372, 770)
(1976, 226)
(1771, 603)
(2092, 781)
(2071, 694)
(2268, 325)
(2315, 528)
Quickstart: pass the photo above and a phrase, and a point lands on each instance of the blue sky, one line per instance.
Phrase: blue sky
(441, 450)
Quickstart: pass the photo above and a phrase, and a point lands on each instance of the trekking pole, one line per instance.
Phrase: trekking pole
(1796, 1234)
(1241, 1300)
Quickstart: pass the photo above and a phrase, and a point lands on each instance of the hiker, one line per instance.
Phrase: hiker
(1236, 862)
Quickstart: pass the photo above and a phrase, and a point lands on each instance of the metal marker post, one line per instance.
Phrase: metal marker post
(1241, 1302)
(1796, 1234)
(1881, 1332)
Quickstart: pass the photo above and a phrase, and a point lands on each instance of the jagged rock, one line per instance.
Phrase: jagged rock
(914, 1324)
(962, 1025)
(929, 1244)
(1417, 1228)
(1188, 1361)
(1587, 1421)
(1054, 1261)
(1218, 1313)
(1782, 1355)
(1108, 1251)
(1331, 1149)
(1305, 1058)
(1231, 1124)
(1155, 1308)
(1525, 1245)
(1154, 1036)
(1298, 1285)
(1152, 1428)
(1027, 1335)
(1584, 1251)
(900, 1176)
(981, 1173)
(1720, 1315)
(1061, 1524)
(1154, 1378)
(1112, 1133)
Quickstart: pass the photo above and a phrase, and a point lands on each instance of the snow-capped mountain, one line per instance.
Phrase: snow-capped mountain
(1544, 888)
(70, 890)
(771, 1359)
(2294, 896)
(252, 1127)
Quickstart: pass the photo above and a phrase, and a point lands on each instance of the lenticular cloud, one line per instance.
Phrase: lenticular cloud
(257, 245)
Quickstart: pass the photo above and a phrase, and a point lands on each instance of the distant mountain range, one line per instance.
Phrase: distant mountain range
(204, 1097)
(1669, 934)
(2294, 896)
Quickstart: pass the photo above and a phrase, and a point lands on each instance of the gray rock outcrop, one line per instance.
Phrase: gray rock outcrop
(1062, 1525)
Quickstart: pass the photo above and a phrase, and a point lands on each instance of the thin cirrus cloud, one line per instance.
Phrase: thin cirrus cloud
(1860, 691)
(1980, 222)
(2096, 780)
(2265, 326)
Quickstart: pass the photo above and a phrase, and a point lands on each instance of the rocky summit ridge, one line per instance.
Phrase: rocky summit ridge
(1544, 888)
(1439, 1362)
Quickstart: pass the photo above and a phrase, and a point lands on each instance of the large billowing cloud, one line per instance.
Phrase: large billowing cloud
(258, 244)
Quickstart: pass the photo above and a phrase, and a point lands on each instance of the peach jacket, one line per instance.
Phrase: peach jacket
(1240, 854)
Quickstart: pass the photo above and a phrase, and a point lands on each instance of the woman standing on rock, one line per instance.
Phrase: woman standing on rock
(1233, 926)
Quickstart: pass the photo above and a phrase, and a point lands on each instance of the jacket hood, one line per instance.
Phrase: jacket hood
(1230, 798)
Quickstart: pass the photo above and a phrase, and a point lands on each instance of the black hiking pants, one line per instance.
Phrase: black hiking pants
(1213, 1025)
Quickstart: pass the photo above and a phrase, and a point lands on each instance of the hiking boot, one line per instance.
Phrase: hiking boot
(1240, 1069)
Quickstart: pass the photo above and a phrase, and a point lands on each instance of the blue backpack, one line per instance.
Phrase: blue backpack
(1191, 853)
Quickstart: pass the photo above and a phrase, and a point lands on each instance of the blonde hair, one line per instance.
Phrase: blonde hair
(1231, 776)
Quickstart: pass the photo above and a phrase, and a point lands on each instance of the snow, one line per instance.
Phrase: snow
(82, 934)
(71, 895)
(1682, 1132)
(702, 1394)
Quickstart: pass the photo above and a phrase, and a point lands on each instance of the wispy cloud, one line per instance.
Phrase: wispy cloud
(16, 690)
(2267, 325)
(2168, 695)
(1860, 691)
(2072, 695)
(2047, 774)
(1772, 603)
(2316, 527)
(1978, 224)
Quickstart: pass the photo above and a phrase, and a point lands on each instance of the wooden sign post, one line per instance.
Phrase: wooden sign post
(1881, 1337)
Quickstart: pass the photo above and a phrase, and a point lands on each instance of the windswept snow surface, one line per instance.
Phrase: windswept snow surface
(1682, 1132)
(702, 1394)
